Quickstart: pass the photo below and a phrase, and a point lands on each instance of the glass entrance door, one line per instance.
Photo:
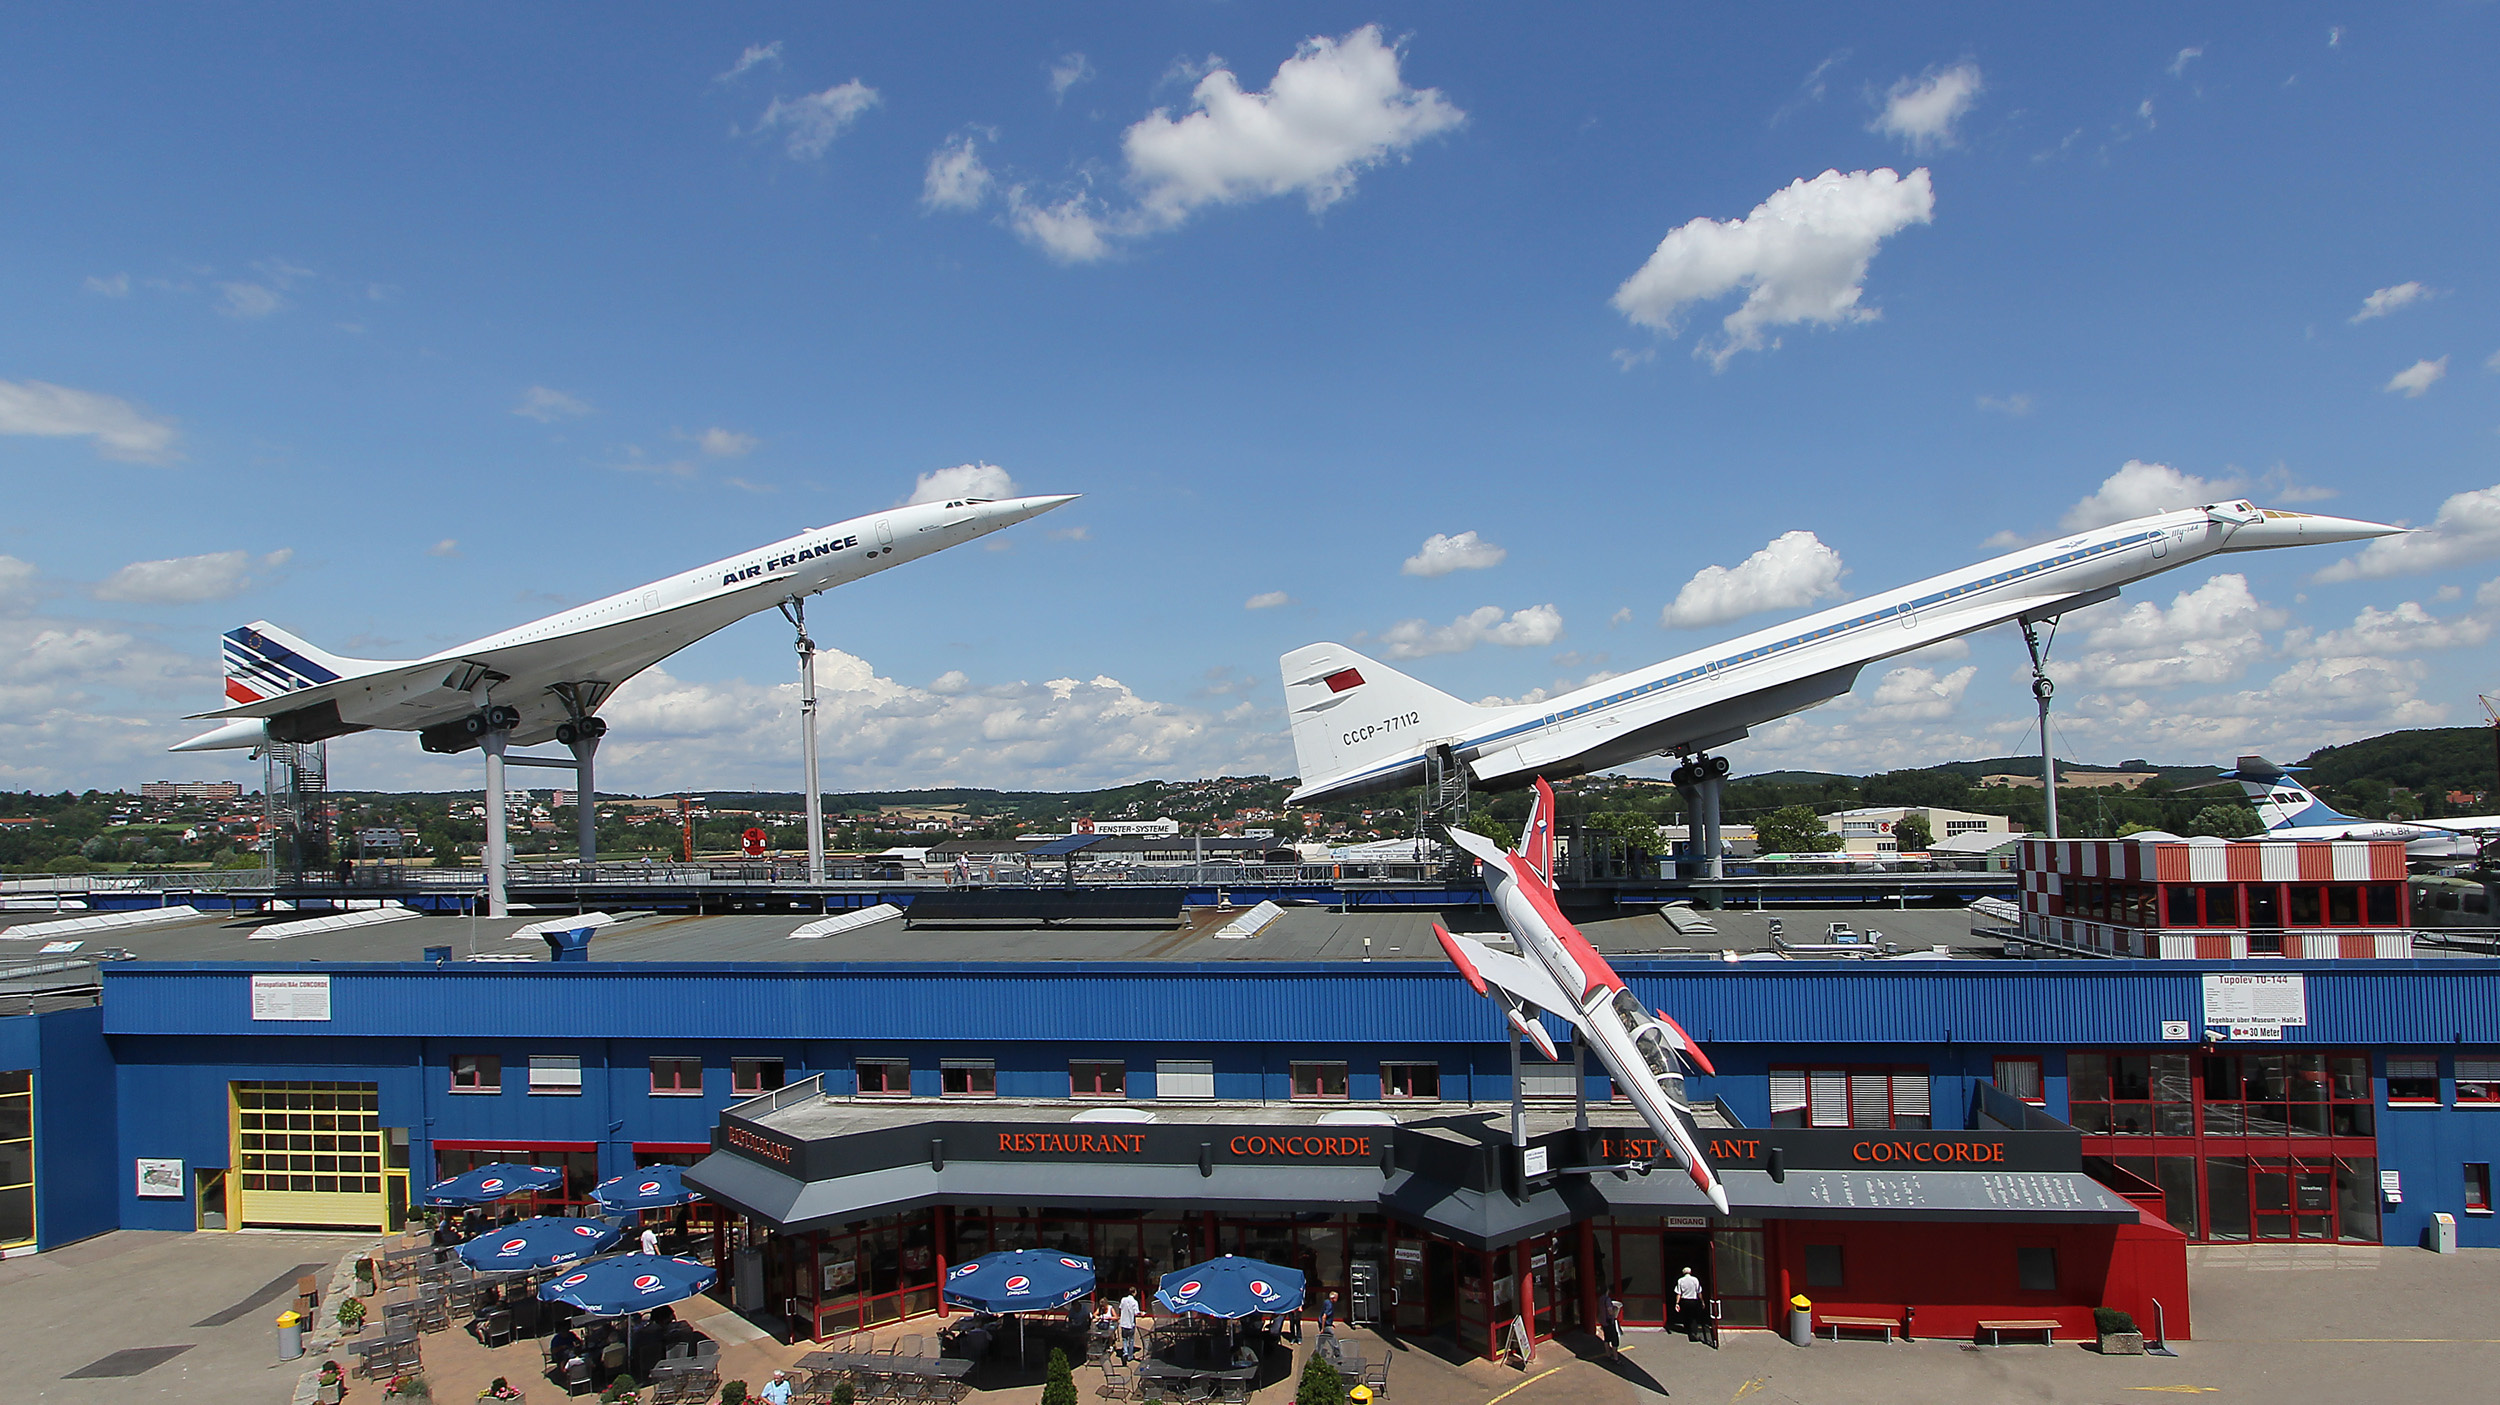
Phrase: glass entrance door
(2291, 1198)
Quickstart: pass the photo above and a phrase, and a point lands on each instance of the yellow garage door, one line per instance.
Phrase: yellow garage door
(308, 1154)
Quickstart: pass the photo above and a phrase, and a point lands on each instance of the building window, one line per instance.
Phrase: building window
(1823, 1266)
(556, 1073)
(748, 1077)
(967, 1078)
(2413, 1081)
(884, 1078)
(1095, 1079)
(2288, 1095)
(2478, 1187)
(676, 1078)
(1861, 1096)
(2131, 1094)
(2035, 1270)
(1318, 1080)
(2020, 1078)
(476, 1073)
(2478, 1081)
(17, 1156)
(1192, 1079)
(1415, 1082)
(2209, 905)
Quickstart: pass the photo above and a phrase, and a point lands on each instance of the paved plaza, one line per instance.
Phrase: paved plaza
(136, 1316)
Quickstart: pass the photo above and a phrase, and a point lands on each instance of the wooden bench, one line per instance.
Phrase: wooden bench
(1834, 1324)
(2046, 1328)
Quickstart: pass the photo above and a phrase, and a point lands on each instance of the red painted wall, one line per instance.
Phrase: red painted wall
(1956, 1274)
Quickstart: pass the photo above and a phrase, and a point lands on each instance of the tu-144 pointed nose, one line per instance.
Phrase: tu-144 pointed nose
(2254, 529)
(1024, 509)
(2342, 529)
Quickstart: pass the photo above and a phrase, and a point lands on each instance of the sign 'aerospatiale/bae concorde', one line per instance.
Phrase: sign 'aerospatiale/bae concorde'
(1359, 725)
(547, 678)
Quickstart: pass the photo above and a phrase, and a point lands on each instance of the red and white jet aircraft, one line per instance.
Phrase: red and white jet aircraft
(1556, 969)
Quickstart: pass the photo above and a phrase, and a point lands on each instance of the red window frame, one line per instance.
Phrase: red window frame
(1097, 1078)
(1400, 1086)
(745, 1075)
(2478, 1082)
(2039, 1077)
(2429, 1099)
(675, 1084)
(485, 1073)
(2478, 1187)
(1317, 1082)
(887, 1084)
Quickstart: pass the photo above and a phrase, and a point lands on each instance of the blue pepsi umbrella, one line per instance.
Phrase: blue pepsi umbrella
(613, 1287)
(647, 1188)
(542, 1242)
(1231, 1287)
(1020, 1280)
(488, 1184)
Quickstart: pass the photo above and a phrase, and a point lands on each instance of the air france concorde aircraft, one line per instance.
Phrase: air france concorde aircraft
(1359, 725)
(1556, 969)
(548, 679)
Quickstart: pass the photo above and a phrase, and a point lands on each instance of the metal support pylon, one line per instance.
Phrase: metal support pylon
(794, 610)
(2043, 688)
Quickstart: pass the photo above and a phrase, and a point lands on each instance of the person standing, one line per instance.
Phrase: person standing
(1612, 1323)
(777, 1390)
(650, 1240)
(1328, 1315)
(1128, 1324)
(1688, 1305)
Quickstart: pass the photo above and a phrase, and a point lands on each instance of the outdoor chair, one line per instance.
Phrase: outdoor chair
(577, 1378)
(1198, 1391)
(1233, 1392)
(495, 1328)
(1376, 1377)
(1116, 1382)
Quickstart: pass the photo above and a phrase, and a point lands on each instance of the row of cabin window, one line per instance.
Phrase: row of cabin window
(2219, 904)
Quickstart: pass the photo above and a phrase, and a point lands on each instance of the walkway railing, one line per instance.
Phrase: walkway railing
(764, 1105)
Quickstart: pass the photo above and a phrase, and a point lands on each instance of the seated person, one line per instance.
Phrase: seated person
(565, 1347)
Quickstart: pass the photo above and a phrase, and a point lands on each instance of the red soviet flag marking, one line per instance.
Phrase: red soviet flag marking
(1343, 679)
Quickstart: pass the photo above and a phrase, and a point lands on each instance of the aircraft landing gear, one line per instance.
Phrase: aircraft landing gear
(590, 728)
(491, 719)
(1701, 778)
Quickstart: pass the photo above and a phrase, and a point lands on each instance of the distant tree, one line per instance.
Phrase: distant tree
(1793, 829)
(1320, 1385)
(1910, 835)
(1501, 832)
(2225, 821)
(2133, 828)
(1638, 832)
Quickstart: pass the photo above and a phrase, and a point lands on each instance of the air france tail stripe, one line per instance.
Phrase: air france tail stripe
(251, 644)
(263, 674)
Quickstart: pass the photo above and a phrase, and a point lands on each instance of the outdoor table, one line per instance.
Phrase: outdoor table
(1173, 1371)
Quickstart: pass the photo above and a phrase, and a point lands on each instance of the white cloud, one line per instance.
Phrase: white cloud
(19, 589)
(547, 406)
(956, 179)
(2407, 629)
(188, 580)
(1919, 695)
(752, 56)
(1621, 616)
(1267, 600)
(814, 120)
(247, 301)
(720, 443)
(2335, 37)
(2492, 363)
(1802, 256)
(1441, 554)
(2417, 378)
(2387, 300)
(1921, 111)
(117, 286)
(1533, 627)
(1070, 70)
(1795, 569)
(2140, 489)
(964, 480)
(2466, 529)
(2013, 406)
(448, 546)
(1626, 358)
(2208, 635)
(2186, 56)
(1069, 230)
(120, 429)
(1335, 109)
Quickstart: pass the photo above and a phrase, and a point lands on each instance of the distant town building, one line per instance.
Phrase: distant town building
(191, 790)
(2217, 899)
(1869, 830)
(2070, 780)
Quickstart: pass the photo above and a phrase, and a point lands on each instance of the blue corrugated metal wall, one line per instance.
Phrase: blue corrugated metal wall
(74, 1165)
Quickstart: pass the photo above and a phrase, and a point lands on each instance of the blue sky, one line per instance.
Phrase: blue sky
(397, 325)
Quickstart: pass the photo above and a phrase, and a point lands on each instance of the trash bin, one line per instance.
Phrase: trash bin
(1801, 1320)
(290, 1335)
(2443, 1233)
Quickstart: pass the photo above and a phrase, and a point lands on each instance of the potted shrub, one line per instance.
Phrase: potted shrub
(1321, 1385)
(842, 1391)
(331, 1387)
(351, 1315)
(364, 1274)
(621, 1390)
(2118, 1334)
(410, 1387)
(1059, 1382)
(734, 1393)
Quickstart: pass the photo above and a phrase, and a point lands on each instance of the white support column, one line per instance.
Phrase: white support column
(585, 804)
(1579, 1083)
(1518, 1095)
(492, 743)
(795, 610)
(1710, 787)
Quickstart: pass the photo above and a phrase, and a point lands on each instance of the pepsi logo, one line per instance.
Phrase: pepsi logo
(512, 1246)
(1019, 1284)
(1190, 1288)
(966, 1269)
(1261, 1289)
(586, 1231)
(491, 1183)
(575, 1281)
(644, 1283)
(647, 1188)
(1073, 1263)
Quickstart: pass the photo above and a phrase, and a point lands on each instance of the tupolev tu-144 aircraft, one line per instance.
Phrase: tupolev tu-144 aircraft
(1556, 969)
(1359, 725)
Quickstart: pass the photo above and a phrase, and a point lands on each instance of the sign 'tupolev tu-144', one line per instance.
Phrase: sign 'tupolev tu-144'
(1359, 725)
